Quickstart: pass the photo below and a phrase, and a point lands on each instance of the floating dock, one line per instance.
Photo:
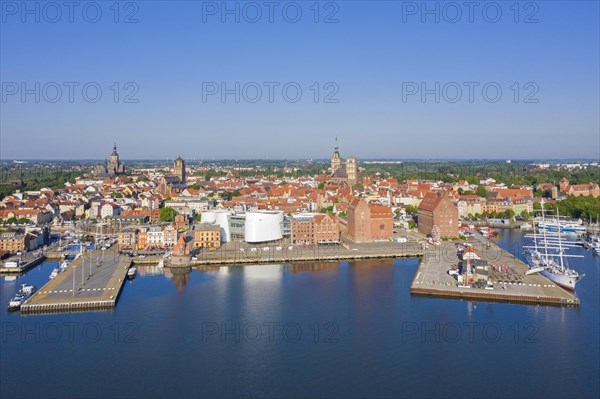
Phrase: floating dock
(91, 282)
(432, 279)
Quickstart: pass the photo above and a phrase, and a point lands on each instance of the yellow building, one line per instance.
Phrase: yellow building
(206, 235)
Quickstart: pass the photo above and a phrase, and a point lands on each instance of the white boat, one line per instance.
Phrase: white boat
(548, 257)
(161, 264)
(562, 225)
(24, 293)
(12, 263)
(131, 272)
(55, 272)
(64, 264)
(526, 226)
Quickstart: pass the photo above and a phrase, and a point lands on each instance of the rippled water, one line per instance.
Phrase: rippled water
(348, 329)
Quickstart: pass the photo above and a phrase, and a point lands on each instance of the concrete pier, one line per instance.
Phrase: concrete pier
(432, 279)
(91, 282)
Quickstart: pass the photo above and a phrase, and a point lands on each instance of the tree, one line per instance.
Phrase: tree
(167, 214)
(481, 192)
(327, 209)
(321, 186)
(23, 221)
(411, 209)
(525, 215)
(118, 195)
(198, 217)
(228, 195)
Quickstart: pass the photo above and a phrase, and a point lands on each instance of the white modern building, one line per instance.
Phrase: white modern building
(263, 226)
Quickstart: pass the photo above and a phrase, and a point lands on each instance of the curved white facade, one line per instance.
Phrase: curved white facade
(218, 218)
(263, 226)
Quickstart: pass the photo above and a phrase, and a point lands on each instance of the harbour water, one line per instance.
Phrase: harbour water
(348, 329)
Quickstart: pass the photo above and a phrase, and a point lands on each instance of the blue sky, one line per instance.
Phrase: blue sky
(371, 58)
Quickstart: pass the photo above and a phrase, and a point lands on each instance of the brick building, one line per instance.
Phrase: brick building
(585, 190)
(437, 209)
(369, 221)
(319, 229)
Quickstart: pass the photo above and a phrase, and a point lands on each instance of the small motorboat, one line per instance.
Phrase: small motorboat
(55, 272)
(131, 272)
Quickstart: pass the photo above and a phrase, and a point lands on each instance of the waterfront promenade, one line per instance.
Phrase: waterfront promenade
(91, 282)
(243, 254)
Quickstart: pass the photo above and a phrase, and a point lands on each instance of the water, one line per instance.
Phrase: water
(362, 334)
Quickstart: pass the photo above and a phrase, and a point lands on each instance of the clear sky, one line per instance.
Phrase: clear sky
(374, 58)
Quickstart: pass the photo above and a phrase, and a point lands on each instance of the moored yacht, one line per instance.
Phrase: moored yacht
(24, 293)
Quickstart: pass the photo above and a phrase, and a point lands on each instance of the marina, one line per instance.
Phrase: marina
(93, 281)
(90, 282)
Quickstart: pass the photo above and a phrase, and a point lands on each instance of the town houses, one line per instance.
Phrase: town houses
(153, 206)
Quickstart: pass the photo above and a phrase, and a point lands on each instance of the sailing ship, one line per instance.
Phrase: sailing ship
(547, 255)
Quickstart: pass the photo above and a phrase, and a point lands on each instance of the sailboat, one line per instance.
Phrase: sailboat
(547, 256)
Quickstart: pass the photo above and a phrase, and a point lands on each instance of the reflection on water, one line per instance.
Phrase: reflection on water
(372, 355)
(180, 276)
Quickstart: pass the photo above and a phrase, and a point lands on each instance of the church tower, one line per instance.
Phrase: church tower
(352, 170)
(336, 159)
(179, 169)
